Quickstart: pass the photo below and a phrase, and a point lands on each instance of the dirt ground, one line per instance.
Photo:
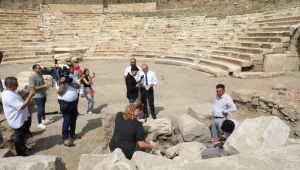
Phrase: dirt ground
(178, 88)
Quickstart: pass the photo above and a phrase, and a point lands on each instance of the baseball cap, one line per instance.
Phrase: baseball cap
(65, 66)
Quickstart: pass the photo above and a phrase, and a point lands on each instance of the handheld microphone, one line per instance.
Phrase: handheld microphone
(142, 76)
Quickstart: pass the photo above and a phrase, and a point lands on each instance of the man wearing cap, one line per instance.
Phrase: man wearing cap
(223, 106)
(37, 83)
(67, 99)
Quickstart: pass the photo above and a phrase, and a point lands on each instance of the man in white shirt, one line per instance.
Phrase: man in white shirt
(16, 112)
(67, 99)
(147, 91)
(128, 69)
(223, 106)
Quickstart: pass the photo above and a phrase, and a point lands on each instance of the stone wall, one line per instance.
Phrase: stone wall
(75, 8)
(282, 103)
(138, 7)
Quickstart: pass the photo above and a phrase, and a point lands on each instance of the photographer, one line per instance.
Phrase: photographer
(67, 96)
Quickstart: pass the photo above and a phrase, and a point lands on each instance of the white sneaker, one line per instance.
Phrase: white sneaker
(90, 112)
(47, 121)
(42, 126)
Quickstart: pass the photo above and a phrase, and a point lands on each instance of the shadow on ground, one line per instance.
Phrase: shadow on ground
(98, 109)
(91, 125)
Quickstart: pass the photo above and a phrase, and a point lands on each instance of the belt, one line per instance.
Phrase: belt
(218, 117)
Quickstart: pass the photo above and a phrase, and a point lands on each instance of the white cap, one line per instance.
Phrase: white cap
(65, 66)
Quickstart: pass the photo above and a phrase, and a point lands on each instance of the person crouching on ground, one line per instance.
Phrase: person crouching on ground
(129, 131)
(88, 91)
(227, 127)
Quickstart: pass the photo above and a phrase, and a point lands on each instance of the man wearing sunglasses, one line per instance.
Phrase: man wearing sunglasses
(37, 83)
(16, 113)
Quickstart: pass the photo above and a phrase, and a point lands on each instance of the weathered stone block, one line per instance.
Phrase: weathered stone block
(258, 134)
(147, 161)
(254, 101)
(35, 162)
(187, 150)
(89, 161)
(279, 158)
(157, 127)
(201, 112)
(291, 63)
(279, 87)
(115, 160)
(242, 95)
(191, 129)
(273, 62)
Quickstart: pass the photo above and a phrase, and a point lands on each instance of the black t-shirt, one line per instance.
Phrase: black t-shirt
(126, 135)
(84, 84)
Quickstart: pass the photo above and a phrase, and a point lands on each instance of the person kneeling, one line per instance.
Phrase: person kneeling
(227, 127)
(129, 131)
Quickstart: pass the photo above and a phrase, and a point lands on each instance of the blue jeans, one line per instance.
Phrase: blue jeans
(216, 125)
(1, 86)
(89, 98)
(69, 123)
(131, 101)
(40, 102)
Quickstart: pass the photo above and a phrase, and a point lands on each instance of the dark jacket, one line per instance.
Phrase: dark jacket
(132, 90)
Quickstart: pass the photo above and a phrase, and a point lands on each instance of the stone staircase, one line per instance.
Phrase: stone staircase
(21, 37)
(243, 45)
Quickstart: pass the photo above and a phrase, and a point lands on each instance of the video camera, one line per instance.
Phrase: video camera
(64, 72)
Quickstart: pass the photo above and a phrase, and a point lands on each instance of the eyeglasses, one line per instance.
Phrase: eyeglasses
(15, 85)
(40, 68)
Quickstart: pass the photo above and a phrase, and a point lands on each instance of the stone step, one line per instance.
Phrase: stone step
(267, 28)
(25, 57)
(268, 34)
(244, 56)
(200, 67)
(281, 23)
(264, 39)
(237, 61)
(267, 45)
(289, 18)
(246, 50)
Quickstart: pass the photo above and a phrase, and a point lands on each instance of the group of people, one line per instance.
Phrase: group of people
(141, 81)
(16, 110)
(128, 132)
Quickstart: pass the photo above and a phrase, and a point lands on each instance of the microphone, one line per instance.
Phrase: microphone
(141, 78)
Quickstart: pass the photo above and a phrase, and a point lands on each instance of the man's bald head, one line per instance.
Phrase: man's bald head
(145, 68)
(133, 62)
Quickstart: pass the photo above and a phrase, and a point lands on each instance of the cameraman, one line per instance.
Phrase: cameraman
(67, 96)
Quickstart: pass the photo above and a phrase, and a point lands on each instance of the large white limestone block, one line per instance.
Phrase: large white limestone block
(35, 162)
(285, 158)
(201, 112)
(190, 151)
(157, 127)
(191, 129)
(258, 134)
(116, 160)
(89, 161)
(274, 62)
(242, 95)
(145, 161)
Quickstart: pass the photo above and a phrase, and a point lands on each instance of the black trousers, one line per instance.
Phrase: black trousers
(20, 140)
(148, 95)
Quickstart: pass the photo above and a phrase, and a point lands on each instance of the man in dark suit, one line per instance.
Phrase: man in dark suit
(132, 85)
